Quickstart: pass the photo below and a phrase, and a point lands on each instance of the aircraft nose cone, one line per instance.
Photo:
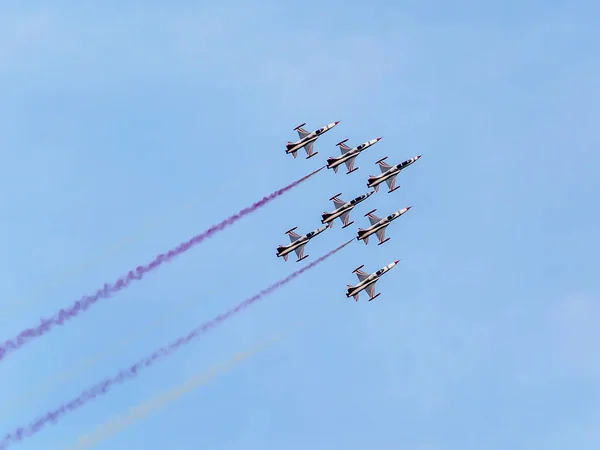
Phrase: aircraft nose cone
(335, 123)
(378, 139)
(408, 207)
(396, 262)
(419, 156)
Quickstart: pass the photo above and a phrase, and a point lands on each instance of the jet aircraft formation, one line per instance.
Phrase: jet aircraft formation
(343, 208)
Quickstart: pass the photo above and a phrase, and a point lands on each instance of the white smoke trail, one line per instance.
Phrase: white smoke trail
(143, 410)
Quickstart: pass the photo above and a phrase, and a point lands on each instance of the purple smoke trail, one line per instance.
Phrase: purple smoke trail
(109, 289)
(104, 386)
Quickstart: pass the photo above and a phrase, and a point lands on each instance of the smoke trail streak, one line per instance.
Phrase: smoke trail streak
(109, 289)
(104, 386)
(72, 372)
(9, 311)
(143, 410)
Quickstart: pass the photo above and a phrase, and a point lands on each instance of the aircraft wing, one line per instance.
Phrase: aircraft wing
(294, 236)
(373, 219)
(338, 202)
(371, 290)
(309, 148)
(361, 275)
(344, 148)
(381, 234)
(391, 182)
(302, 133)
(345, 217)
(350, 163)
(383, 166)
(300, 251)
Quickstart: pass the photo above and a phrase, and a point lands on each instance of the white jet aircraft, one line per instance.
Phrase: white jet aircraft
(297, 243)
(378, 225)
(389, 174)
(342, 209)
(367, 282)
(307, 140)
(348, 155)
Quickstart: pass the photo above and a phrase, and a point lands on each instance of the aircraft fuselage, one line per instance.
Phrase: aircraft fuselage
(302, 240)
(382, 223)
(302, 142)
(334, 162)
(346, 207)
(285, 249)
(374, 277)
(375, 180)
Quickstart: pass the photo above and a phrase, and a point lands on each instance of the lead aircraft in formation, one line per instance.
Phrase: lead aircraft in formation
(342, 208)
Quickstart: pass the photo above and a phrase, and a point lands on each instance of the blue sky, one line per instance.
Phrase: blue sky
(140, 125)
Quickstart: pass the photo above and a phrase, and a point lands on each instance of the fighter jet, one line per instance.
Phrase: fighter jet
(307, 139)
(378, 226)
(342, 209)
(348, 155)
(367, 282)
(389, 174)
(297, 243)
